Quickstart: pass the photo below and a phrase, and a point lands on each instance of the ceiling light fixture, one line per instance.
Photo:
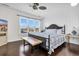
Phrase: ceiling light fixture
(37, 6)
(74, 4)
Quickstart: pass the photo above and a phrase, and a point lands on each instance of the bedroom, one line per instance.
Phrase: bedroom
(59, 14)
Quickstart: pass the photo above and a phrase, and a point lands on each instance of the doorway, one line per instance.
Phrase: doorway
(3, 32)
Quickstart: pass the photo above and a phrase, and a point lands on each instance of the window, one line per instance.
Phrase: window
(29, 25)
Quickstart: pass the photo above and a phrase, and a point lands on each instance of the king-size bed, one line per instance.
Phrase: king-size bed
(52, 37)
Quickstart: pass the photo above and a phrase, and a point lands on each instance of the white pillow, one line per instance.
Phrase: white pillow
(51, 31)
(59, 31)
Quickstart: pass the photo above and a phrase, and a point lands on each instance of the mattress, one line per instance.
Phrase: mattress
(55, 40)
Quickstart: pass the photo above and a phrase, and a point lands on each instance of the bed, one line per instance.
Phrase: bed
(50, 37)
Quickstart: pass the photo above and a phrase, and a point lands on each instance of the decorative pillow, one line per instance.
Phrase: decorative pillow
(74, 32)
(77, 32)
(51, 31)
(59, 31)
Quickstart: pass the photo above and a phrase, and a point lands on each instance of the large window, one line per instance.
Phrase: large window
(29, 25)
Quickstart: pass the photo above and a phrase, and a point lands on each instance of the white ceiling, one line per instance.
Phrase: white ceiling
(25, 7)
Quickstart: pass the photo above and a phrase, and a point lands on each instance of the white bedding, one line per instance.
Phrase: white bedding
(55, 40)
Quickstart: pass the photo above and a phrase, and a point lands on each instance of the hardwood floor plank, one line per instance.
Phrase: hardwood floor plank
(16, 49)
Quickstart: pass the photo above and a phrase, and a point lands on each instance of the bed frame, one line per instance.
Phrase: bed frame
(52, 26)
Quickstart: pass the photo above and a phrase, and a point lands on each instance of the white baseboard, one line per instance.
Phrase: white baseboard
(14, 40)
(73, 43)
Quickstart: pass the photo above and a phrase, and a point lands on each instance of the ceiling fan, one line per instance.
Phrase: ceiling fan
(37, 6)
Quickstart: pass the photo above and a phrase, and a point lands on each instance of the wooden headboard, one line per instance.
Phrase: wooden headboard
(54, 26)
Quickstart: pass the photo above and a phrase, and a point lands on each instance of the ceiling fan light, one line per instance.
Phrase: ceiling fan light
(35, 8)
(74, 4)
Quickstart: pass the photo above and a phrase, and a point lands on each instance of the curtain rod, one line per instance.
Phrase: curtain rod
(28, 17)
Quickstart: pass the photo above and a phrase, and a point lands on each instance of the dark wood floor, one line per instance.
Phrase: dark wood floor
(16, 49)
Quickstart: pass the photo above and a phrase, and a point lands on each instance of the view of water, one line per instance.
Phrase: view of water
(27, 22)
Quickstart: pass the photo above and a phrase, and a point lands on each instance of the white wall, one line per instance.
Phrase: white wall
(55, 14)
(10, 15)
(63, 14)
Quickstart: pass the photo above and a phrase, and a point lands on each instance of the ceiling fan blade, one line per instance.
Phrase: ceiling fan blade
(42, 8)
(36, 4)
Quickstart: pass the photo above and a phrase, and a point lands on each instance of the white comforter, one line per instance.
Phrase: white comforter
(55, 40)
